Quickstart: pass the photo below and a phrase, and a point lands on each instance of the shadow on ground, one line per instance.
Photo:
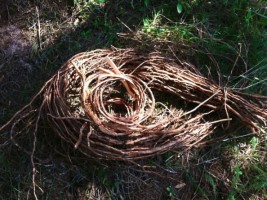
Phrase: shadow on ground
(37, 37)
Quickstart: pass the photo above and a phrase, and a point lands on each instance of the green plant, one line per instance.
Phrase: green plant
(212, 184)
(235, 183)
(170, 191)
(159, 29)
(86, 34)
(86, 7)
(196, 185)
(259, 180)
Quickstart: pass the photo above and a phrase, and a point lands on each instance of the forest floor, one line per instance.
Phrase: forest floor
(37, 37)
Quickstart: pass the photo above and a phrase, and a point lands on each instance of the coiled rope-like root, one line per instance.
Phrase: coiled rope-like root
(104, 103)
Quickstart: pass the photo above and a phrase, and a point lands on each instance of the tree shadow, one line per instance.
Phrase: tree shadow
(90, 26)
(44, 35)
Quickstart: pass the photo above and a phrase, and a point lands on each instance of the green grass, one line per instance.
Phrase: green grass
(231, 35)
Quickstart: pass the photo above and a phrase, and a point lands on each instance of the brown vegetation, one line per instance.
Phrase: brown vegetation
(103, 102)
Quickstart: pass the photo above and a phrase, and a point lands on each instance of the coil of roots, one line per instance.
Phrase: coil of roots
(107, 104)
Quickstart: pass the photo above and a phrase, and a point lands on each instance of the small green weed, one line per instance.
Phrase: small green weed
(195, 184)
(170, 191)
(212, 184)
(85, 7)
(159, 29)
(235, 183)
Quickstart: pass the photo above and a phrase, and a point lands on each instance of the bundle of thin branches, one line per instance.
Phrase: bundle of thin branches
(103, 102)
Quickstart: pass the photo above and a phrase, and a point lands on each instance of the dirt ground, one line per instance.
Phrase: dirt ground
(36, 38)
(32, 38)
